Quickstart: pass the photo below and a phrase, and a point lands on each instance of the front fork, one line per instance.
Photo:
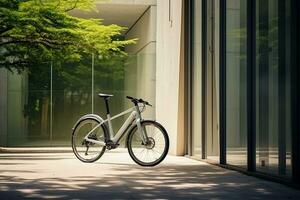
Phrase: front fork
(141, 129)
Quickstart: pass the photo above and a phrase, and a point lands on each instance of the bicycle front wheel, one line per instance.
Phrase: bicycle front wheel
(84, 150)
(155, 150)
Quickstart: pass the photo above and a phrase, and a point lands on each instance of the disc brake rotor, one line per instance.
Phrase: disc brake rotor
(151, 143)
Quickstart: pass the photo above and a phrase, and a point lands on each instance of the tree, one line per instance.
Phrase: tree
(34, 31)
(37, 34)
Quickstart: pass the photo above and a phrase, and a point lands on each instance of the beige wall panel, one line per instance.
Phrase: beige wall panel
(168, 67)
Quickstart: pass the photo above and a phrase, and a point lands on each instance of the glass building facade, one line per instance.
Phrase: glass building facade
(39, 106)
(242, 87)
(273, 86)
(242, 74)
(43, 105)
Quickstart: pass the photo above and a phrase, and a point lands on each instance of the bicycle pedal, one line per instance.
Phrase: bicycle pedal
(111, 146)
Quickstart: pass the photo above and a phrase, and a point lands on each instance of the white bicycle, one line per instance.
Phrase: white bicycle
(147, 140)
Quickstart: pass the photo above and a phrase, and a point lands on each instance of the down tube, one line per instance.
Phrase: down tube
(124, 127)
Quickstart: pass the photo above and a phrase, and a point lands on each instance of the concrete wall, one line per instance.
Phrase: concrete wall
(155, 68)
(140, 71)
(169, 62)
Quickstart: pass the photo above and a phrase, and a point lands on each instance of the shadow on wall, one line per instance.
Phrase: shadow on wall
(128, 181)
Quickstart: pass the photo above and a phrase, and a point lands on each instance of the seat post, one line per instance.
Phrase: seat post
(106, 104)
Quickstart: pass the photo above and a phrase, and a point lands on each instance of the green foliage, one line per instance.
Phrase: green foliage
(35, 34)
(35, 31)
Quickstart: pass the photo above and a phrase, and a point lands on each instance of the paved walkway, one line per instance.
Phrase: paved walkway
(115, 176)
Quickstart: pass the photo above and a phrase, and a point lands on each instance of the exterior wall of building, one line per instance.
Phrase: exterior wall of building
(169, 25)
(256, 85)
(155, 68)
(140, 70)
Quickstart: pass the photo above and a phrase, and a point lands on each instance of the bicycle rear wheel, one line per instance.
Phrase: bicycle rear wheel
(155, 151)
(84, 150)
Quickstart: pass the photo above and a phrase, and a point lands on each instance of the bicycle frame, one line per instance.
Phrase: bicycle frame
(115, 138)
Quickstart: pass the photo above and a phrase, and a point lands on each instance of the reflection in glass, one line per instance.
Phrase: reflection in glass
(71, 96)
(17, 132)
(273, 140)
(44, 104)
(212, 81)
(236, 82)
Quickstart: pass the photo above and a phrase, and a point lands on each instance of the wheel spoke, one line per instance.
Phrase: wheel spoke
(142, 151)
(84, 150)
(154, 151)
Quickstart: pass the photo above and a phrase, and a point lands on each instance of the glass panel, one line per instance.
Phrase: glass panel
(273, 143)
(38, 106)
(146, 77)
(196, 81)
(28, 107)
(212, 81)
(3, 107)
(43, 105)
(17, 133)
(236, 82)
(71, 97)
(109, 78)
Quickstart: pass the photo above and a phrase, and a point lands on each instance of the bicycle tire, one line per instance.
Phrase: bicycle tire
(74, 147)
(130, 142)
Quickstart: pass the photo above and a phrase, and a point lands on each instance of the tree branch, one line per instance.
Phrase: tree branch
(5, 29)
(55, 44)
(72, 8)
(20, 62)
(31, 42)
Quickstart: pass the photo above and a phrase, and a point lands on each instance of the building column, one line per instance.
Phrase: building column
(168, 69)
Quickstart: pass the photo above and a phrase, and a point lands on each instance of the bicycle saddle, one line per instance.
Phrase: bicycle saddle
(105, 95)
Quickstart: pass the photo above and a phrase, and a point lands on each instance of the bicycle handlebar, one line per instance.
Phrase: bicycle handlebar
(135, 100)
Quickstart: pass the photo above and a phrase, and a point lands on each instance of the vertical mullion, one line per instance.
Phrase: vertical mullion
(204, 77)
(212, 66)
(222, 81)
(295, 32)
(251, 58)
(282, 88)
(188, 58)
(93, 63)
(189, 73)
(263, 82)
(51, 102)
